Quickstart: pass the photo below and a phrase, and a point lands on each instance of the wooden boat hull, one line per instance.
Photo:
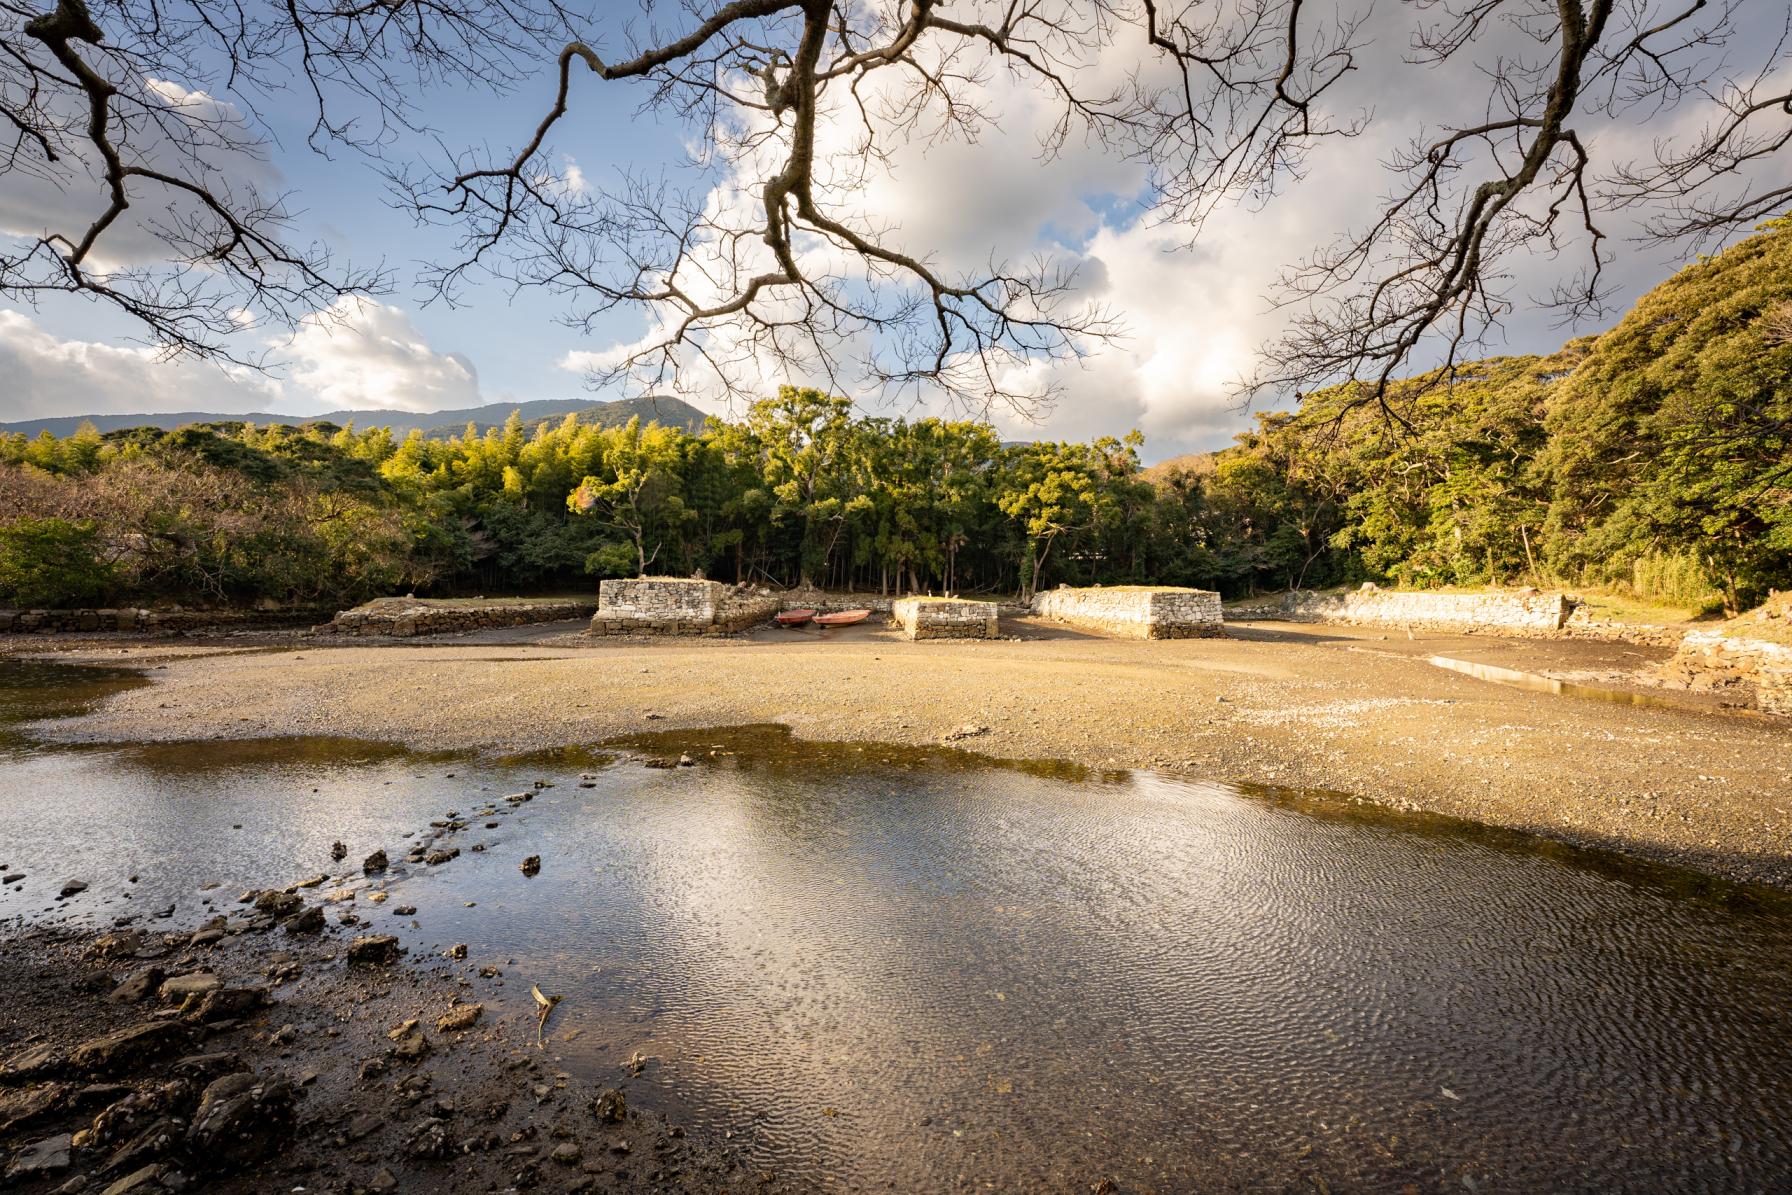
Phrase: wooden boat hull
(845, 618)
(795, 618)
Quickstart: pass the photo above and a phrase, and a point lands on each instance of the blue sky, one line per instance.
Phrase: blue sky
(1193, 313)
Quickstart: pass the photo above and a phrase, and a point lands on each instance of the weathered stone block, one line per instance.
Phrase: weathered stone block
(1722, 654)
(945, 618)
(1135, 611)
(1512, 612)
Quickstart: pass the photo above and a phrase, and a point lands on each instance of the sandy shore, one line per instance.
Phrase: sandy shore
(1353, 711)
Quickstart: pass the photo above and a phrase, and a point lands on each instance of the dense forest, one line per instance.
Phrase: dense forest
(1657, 456)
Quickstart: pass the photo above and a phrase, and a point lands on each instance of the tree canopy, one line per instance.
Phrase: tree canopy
(765, 261)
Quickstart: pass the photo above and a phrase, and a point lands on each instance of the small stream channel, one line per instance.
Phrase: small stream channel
(877, 966)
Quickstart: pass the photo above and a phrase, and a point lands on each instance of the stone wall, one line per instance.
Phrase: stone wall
(1709, 659)
(1135, 611)
(677, 606)
(137, 621)
(1511, 612)
(402, 618)
(945, 618)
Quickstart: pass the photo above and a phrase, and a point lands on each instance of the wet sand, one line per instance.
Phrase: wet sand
(1355, 711)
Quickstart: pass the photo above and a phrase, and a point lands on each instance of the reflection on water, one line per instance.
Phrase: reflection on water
(1531, 682)
(879, 966)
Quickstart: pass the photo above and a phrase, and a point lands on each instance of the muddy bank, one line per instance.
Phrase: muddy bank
(1344, 709)
(274, 1049)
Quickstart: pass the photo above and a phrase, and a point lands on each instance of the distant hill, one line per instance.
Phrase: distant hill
(668, 412)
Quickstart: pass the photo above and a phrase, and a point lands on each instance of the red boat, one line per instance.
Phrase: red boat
(795, 618)
(843, 618)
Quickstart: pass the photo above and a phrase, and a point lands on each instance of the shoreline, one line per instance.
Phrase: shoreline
(272, 1048)
(1339, 710)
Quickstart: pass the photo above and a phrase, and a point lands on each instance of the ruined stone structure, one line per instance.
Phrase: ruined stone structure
(403, 618)
(945, 618)
(1710, 658)
(1135, 611)
(1512, 612)
(677, 606)
(61, 622)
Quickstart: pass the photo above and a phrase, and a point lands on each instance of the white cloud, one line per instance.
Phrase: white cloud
(360, 353)
(45, 376)
(357, 355)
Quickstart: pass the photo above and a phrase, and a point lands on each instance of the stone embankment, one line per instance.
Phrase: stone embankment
(678, 606)
(126, 619)
(945, 618)
(1135, 611)
(1512, 612)
(404, 618)
(1754, 649)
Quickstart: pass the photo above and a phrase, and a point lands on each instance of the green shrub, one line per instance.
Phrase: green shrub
(53, 563)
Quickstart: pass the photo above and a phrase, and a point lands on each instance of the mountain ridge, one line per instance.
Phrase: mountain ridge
(665, 410)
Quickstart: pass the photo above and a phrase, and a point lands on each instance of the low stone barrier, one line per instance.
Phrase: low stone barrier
(62, 622)
(677, 606)
(945, 618)
(1710, 659)
(1135, 611)
(403, 618)
(1515, 612)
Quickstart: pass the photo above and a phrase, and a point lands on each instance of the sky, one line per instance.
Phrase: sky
(1192, 314)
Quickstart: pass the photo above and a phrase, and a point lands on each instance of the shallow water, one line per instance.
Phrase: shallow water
(881, 966)
(1532, 682)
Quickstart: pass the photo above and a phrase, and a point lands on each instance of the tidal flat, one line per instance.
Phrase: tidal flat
(805, 964)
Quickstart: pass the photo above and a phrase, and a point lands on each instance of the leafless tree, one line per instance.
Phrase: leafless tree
(767, 256)
(140, 170)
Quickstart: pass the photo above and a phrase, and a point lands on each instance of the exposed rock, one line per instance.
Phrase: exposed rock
(22, 1107)
(204, 1068)
(338, 851)
(242, 1119)
(152, 1141)
(456, 951)
(73, 888)
(128, 1117)
(373, 950)
(429, 1138)
(138, 1182)
(33, 1063)
(139, 986)
(382, 1181)
(567, 1153)
(405, 911)
(458, 1018)
(410, 1044)
(532, 865)
(277, 904)
(122, 944)
(130, 1047)
(310, 921)
(223, 1004)
(177, 988)
(41, 1159)
(611, 1107)
(374, 863)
